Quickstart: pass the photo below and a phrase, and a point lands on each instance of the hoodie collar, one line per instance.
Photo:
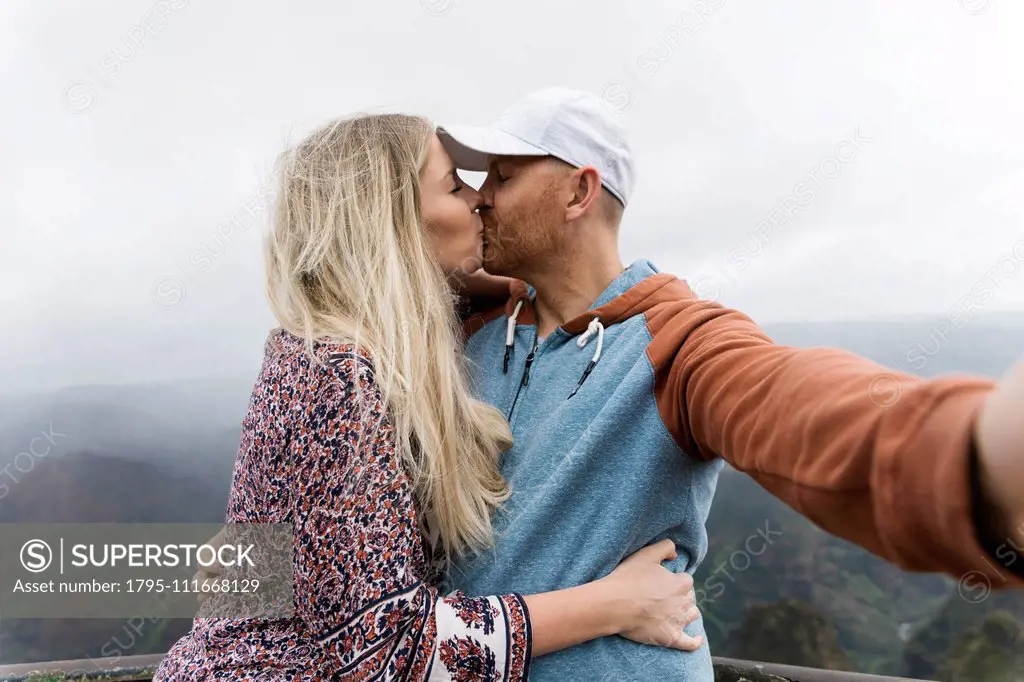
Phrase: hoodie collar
(638, 271)
(627, 295)
(631, 293)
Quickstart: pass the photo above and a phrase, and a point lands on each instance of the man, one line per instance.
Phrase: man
(625, 393)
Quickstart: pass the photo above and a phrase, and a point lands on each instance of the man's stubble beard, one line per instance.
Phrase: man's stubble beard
(525, 250)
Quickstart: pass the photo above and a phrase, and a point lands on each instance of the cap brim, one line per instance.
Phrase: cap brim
(471, 147)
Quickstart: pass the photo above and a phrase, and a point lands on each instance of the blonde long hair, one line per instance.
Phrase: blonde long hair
(347, 258)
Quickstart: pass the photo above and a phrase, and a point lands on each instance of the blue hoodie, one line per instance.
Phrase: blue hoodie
(594, 477)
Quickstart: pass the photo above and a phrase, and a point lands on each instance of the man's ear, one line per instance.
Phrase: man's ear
(586, 187)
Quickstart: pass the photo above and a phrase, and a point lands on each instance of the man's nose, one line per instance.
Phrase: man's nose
(472, 197)
(486, 195)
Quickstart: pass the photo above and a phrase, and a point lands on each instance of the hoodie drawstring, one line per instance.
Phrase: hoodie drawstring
(510, 334)
(595, 327)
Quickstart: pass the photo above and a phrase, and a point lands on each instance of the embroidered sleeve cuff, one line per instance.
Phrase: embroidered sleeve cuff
(517, 618)
(482, 638)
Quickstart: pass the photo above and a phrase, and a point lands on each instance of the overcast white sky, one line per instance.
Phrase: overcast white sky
(119, 162)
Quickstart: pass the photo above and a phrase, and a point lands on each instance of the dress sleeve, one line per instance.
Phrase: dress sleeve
(360, 572)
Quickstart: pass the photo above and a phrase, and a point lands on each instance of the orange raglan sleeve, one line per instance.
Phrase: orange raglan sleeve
(869, 454)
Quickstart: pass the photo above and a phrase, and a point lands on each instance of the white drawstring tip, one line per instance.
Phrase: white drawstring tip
(511, 331)
(510, 334)
(595, 327)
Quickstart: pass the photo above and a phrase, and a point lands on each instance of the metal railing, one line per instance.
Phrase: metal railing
(141, 668)
(795, 673)
(121, 669)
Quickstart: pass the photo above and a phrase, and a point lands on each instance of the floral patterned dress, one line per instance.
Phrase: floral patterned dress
(318, 451)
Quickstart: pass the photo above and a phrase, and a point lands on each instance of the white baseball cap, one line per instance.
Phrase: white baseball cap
(571, 125)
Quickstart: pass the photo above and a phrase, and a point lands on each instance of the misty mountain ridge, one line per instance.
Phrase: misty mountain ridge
(918, 344)
(157, 421)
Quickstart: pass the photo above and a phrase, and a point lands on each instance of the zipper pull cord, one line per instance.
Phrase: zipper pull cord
(595, 326)
(529, 361)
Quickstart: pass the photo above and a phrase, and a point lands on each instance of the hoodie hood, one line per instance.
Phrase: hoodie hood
(633, 292)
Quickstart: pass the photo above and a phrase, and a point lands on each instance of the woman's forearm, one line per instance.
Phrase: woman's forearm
(572, 616)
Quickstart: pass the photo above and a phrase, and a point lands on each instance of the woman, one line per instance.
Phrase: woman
(362, 433)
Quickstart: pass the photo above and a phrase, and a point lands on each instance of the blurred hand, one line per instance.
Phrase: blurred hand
(662, 602)
(999, 434)
(483, 290)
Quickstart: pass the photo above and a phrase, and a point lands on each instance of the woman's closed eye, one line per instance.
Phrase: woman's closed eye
(457, 183)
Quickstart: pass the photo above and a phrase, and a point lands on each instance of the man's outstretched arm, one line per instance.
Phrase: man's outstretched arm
(921, 473)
